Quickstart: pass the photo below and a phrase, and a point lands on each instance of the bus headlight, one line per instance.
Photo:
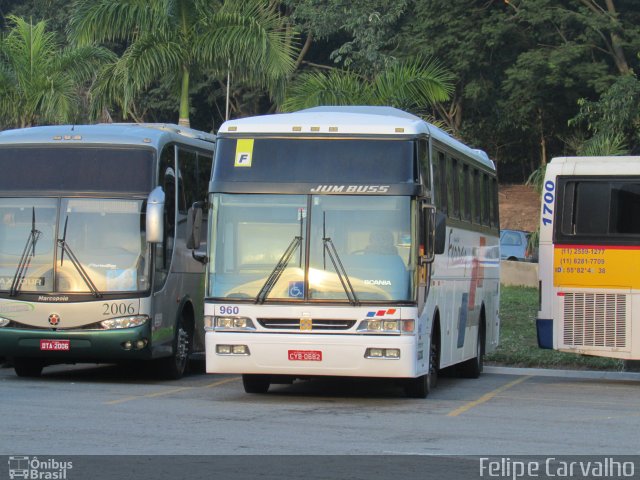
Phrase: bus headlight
(124, 322)
(232, 323)
(387, 326)
(4, 322)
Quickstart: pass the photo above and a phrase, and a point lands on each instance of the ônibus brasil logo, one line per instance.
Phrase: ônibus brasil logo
(36, 469)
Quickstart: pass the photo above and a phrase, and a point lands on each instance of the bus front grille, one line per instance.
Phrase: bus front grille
(595, 320)
(316, 324)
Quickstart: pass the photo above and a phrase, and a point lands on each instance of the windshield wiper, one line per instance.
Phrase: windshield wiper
(62, 243)
(330, 248)
(27, 254)
(275, 274)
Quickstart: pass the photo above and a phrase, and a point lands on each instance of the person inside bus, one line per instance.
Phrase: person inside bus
(381, 242)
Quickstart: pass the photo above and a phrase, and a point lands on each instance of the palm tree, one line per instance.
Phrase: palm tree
(175, 39)
(413, 85)
(40, 81)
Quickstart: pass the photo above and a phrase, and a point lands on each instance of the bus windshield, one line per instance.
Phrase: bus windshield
(342, 248)
(105, 237)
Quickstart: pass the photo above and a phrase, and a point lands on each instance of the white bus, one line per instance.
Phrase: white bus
(589, 257)
(94, 262)
(349, 241)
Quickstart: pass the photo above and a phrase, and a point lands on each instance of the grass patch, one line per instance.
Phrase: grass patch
(518, 339)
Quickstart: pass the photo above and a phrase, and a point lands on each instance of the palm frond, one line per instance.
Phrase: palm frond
(96, 21)
(333, 88)
(414, 83)
(249, 37)
(604, 144)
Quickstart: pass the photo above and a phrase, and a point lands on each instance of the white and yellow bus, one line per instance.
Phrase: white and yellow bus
(590, 257)
(350, 241)
(95, 264)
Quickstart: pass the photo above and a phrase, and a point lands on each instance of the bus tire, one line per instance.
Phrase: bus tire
(256, 383)
(418, 387)
(28, 367)
(174, 366)
(473, 367)
(421, 386)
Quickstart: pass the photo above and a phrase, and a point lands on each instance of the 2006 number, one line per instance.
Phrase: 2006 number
(118, 309)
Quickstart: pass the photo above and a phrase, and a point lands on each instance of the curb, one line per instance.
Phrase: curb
(545, 372)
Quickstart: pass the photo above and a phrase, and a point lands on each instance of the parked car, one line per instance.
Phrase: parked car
(514, 245)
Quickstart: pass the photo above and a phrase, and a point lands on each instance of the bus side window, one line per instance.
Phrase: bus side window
(187, 179)
(475, 202)
(436, 189)
(453, 199)
(463, 184)
(443, 195)
(495, 214)
(167, 180)
(486, 191)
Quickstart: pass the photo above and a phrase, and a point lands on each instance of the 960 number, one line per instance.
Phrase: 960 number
(229, 310)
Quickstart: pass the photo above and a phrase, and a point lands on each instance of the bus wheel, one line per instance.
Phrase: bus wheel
(28, 367)
(174, 366)
(256, 383)
(417, 387)
(473, 367)
(421, 387)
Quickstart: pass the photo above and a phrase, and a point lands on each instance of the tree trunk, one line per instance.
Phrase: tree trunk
(543, 141)
(184, 99)
(618, 53)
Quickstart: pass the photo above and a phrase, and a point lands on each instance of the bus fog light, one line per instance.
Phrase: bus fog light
(223, 349)
(127, 345)
(240, 350)
(374, 353)
(392, 353)
(140, 344)
(384, 353)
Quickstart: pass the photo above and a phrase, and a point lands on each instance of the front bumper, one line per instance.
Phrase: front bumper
(342, 355)
(87, 345)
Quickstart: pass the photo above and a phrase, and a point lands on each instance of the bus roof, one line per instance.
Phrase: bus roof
(153, 134)
(348, 120)
(604, 165)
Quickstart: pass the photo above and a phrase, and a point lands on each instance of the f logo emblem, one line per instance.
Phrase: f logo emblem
(244, 152)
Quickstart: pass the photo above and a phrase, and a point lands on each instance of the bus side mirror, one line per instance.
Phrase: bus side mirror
(194, 226)
(440, 233)
(155, 216)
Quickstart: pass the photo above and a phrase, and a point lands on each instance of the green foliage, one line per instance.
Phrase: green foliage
(604, 144)
(42, 82)
(168, 41)
(411, 85)
(614, 120)
(366, 29)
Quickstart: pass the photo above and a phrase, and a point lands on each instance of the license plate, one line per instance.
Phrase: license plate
(305, 355)
(55, 345)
